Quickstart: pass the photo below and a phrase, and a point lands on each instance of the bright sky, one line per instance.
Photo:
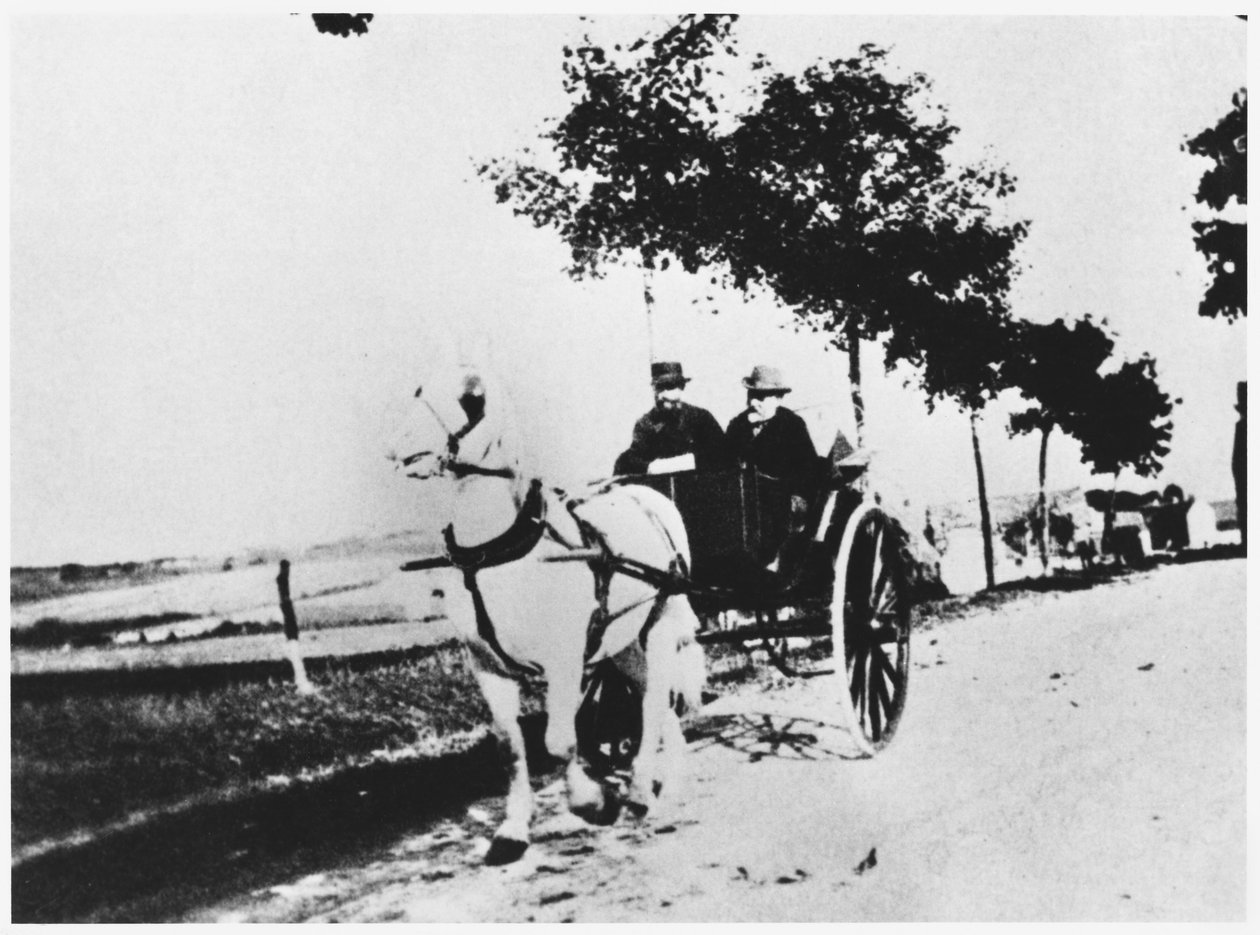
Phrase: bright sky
(234, 241)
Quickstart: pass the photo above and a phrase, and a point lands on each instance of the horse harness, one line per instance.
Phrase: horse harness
(607, 565)
(516, 542)
(522, 537)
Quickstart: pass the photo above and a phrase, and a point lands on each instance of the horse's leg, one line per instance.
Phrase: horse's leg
(503, 697)
(675, 677)
(659, 668)
(671, 762)
(588, 798)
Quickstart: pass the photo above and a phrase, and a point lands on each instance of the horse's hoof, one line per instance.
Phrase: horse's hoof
(505, 851)
(638, 810)
(604, 814)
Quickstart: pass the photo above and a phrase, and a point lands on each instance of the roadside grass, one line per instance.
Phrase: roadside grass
(52, 632)
(79, 763)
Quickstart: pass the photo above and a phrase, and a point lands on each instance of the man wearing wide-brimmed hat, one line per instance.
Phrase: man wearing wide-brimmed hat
(770, 438)
(673, 429)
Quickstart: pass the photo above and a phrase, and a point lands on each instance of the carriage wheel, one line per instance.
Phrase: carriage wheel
(870, 615)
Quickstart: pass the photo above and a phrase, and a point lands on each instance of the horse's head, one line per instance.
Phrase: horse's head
(455, 425)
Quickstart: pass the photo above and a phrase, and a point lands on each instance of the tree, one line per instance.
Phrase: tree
(837, 195)
(965, 358)
(631, 158)
(1224, 243)
(1055, 367)
(1131, 425)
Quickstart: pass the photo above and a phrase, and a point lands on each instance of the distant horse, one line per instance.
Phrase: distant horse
(528, 614)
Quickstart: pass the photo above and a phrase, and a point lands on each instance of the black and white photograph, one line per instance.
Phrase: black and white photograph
(653, 468)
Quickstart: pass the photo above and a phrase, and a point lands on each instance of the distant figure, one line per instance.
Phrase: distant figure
(1240, 461)
(1087, 552)
(673, 429)
(929, 531)
(770, 438)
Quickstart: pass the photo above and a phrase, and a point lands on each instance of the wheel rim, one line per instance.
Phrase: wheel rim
(871, 624)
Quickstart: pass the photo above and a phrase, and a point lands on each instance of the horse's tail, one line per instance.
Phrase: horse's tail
(692, 674)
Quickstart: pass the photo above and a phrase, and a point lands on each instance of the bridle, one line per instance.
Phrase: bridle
(449, 463)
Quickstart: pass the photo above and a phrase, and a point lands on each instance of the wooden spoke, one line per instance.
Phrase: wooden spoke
(857, 678)
(885, 701)
(889, 671)
(877, 564)
(873, 694)
(880, 590)
(885, 597)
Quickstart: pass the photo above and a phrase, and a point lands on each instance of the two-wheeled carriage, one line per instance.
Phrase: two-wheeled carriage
(828, 565)
(766, 567)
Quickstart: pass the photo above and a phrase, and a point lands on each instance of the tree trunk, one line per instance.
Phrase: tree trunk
(1043, 542)
(649, 303)
(854, 347)
(986, 526)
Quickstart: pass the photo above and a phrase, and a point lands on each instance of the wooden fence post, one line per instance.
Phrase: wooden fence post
(300, 680)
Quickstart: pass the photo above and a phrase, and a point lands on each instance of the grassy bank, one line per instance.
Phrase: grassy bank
(80, 763)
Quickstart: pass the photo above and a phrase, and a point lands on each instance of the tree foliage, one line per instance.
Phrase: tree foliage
(841, 199)
(830, 188)
(1131, 424)
(633, 155)
(1055, 367)
(964, 356)
(342, 24)
(1224, 243)
(1120, 417)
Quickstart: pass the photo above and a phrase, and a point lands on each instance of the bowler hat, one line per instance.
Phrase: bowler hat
(766, 379)
(667, 373)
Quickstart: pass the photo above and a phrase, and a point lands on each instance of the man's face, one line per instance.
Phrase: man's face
(763, 405)
(669, 397)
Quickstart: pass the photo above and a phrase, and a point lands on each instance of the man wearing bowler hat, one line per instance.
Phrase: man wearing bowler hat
(673, 428)
(770, 438)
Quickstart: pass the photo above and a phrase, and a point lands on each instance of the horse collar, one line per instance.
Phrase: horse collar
(516, 542)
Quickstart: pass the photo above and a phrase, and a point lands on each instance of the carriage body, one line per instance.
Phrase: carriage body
(748, 551)
(837, 572)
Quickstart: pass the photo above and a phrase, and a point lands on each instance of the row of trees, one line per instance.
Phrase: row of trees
(833, 192)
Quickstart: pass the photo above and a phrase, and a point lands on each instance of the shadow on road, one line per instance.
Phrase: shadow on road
(163, 869)
(761, 735)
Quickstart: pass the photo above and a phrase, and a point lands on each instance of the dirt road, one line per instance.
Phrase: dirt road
(1071, 756)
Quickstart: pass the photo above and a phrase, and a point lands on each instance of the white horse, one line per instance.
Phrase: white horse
(527, 614)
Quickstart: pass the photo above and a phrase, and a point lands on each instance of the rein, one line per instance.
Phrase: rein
(516, 542)
(459, 469)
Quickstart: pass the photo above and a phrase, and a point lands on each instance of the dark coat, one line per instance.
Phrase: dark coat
(782, 448)
(666, 434)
